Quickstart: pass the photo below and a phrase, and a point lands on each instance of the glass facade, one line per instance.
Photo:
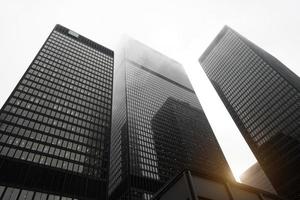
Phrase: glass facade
(55, 126)
(158, 125)
(263, 97)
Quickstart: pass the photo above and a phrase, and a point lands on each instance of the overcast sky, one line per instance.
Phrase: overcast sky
(179, 29)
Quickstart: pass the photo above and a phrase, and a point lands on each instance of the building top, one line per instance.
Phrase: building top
(285, 72)
(149, 58)
(83, 40)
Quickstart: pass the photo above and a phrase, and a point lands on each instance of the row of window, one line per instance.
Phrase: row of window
(56, 115)
(49, 92)
(270, 112)
(10, 193)
(74, 80)
(92, 169)
(50, 145)
(66, 68)
(65, 64)
(57, 138)
(45, 85)
(59, 80)
(34, 116)
(54, 51)
(72, 105)
(79, 56)
(89, 51)
(40, 153)
(26, 103)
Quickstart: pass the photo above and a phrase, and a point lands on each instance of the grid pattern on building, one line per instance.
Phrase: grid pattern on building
(147, 92)
(147, 96)
(263, 103)
(12, 193)
(59, 113)
(176, 127)
(118, 142)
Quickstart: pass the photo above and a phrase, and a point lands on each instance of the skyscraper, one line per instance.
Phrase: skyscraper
(158, 125)
(262, 96)
(55, 125)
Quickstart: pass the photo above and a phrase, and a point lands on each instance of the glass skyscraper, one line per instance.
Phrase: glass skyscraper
(263, 97)
(55, 125)
(158, 125)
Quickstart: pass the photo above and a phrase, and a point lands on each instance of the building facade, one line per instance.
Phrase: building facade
(55, 125)
(158, 125)
(262, 96)
(255, 177)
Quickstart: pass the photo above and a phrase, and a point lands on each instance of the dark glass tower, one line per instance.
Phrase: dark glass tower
(158, 125)
(263, 98)
(55, 125)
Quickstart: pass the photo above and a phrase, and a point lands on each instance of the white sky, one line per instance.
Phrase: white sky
(179, 29)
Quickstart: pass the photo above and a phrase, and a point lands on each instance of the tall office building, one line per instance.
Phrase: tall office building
(55, 125)
(158, 125)
(262, 96)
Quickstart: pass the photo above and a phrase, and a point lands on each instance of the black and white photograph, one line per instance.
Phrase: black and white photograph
(149, 100)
